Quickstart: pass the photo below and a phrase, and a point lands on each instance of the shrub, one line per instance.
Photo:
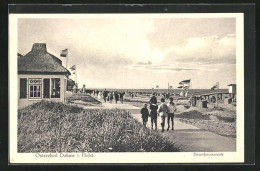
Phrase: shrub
(55, 127)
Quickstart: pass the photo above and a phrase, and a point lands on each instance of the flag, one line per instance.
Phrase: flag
(185, 82)
(215, 86)
(157, 86)
(73, 67)
(186, 87)
(64, 53)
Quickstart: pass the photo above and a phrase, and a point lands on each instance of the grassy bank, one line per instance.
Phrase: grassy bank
(212, 121)
(55, 127)
(83, 99)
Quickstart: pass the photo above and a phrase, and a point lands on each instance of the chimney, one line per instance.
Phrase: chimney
(39, 46)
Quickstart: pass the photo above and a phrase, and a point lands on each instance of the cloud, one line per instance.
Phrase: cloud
(204, 50)
(144, 63)
(174, 32)
(115, 52)
(162, 68)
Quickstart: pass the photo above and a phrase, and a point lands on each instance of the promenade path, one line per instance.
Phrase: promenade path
(188, 137)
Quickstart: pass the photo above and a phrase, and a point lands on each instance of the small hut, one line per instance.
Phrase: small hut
(41, 76)
(70, 84)
(232, 91)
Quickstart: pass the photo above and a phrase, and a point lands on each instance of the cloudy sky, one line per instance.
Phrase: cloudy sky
(139, 52)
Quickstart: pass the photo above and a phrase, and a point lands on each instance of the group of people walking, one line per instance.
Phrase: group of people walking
(110, 95)
(164, 110)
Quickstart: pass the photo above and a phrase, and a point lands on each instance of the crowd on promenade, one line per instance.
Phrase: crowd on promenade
(164, 110)
(108, 96)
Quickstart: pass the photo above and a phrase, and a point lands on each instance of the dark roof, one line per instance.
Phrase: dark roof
(38, 60)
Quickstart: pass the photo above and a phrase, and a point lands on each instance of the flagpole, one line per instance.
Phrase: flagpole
(67, 58)
(76, 75)
(168, 87)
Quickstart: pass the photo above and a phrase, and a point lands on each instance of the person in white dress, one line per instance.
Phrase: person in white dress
(99, 94)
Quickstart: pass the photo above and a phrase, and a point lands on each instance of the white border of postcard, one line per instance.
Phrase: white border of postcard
(126, 157)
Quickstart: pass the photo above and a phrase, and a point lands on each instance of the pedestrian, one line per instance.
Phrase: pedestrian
(132, 95)
(162, 110)
(153, 99)
(84, 89)
(111, 96)
(74, 89)
(108, 96)
(105, 95)
(171, 109)
(145, 114)
(116, 96)
(153, 114)
(121, 96)
(99, 94)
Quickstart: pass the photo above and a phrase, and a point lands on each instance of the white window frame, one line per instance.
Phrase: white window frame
(51, 88)
(36, 84)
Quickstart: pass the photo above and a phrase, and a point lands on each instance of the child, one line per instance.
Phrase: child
(145, 114)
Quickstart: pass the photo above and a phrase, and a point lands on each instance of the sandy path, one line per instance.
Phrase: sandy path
(188, 137)
(193, 139)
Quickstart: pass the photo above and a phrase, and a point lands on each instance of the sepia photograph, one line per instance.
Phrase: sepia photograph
(112, 88)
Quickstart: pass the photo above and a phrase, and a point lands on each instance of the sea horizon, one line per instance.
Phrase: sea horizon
(149, 90)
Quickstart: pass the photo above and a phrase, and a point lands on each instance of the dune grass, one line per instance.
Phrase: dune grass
(83, 97)
(55, 127)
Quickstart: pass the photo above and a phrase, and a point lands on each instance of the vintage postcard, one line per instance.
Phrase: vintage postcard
(126, 88)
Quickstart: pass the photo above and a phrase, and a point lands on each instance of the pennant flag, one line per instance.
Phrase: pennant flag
(73, 67)
(215, 86)
(64, 53)
(157, 86)
(185, 82)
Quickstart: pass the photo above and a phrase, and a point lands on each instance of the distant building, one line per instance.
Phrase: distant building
(232, 91)
(70, 84)
(232, 88)
(41, 76)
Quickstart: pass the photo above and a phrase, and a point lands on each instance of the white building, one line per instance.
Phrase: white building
(41, 76)
(232, 89)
